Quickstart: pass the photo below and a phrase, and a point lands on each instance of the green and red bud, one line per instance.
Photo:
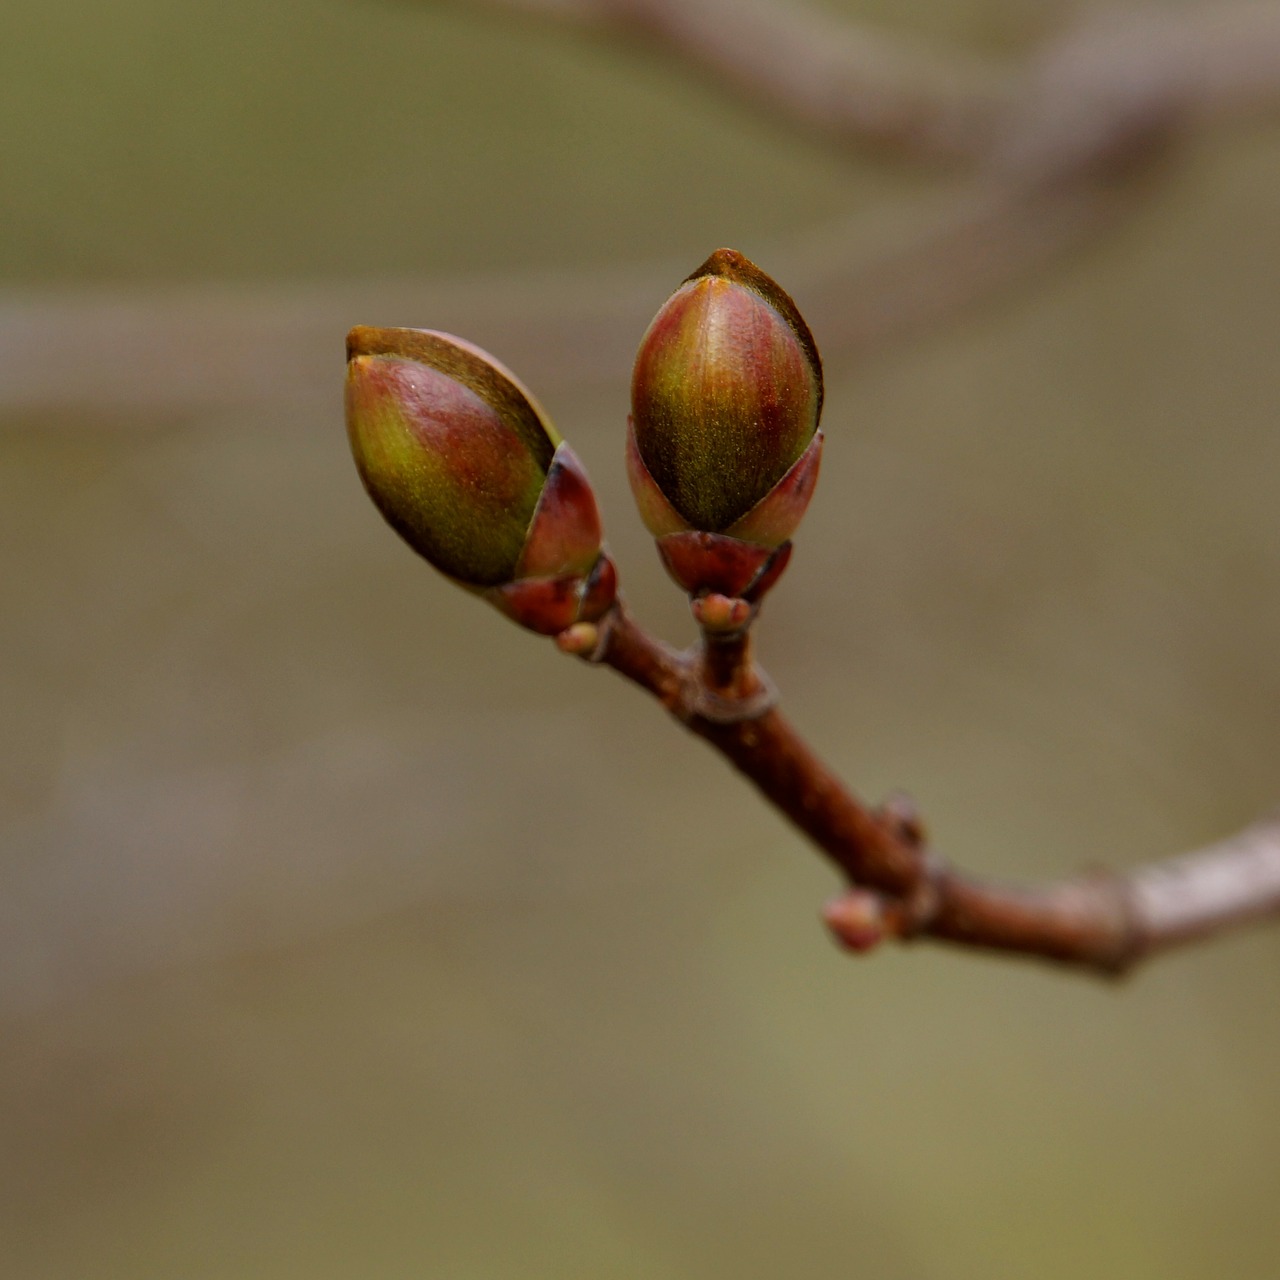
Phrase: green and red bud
(463, 463)
(723, 445)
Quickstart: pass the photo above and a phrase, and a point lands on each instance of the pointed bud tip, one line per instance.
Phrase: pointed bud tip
(360, 341)
(470, 366)
(729, 264)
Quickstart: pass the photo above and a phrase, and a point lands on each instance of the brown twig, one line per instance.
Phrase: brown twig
(1105, 922)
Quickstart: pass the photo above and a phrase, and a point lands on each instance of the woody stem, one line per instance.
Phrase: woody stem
(1104, 922)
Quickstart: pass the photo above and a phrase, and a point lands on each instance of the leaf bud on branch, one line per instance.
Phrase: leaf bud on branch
(467, 468)
(723, 443)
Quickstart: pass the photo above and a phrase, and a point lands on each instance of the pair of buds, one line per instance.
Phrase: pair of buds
(723, 449)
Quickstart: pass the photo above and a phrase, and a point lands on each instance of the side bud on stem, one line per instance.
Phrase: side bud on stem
(723, 443)
(467, 468)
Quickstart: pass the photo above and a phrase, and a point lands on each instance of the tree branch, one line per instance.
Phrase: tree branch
(840, 78)
(900, 887)
(1111, 73)
(843, 79)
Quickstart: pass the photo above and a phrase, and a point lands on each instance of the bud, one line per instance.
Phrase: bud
(466, 467)
(857, 919)
(723, 445)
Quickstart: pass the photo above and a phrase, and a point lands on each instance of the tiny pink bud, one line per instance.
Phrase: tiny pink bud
(856, 920)
(715, 612)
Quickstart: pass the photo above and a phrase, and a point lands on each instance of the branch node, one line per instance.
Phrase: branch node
(903, 816)
(1115, 896)
(706, 704)
(911, 915)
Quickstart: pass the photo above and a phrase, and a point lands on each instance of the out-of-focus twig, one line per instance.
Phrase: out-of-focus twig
(149, 352)
(145, 354)
(1055, 153)
(986, 239)
(1112, 72)
(841, 78)
(1108, 89)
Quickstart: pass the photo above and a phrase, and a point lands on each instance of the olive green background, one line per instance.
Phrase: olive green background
(345, 930)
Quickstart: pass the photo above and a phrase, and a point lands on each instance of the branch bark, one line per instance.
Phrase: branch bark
(899, 886)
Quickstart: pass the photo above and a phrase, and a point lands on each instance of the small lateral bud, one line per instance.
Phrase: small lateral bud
(464, 464)
(856, 920)
(719, 613)
(581, 639)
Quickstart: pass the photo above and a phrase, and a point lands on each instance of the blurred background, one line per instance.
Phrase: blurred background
(346, 930)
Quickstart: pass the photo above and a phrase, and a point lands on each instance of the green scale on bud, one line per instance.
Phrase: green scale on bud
(723, 445)
(466, 467)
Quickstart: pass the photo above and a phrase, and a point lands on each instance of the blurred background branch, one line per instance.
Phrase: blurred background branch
(1055, 153)
(842, 79)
